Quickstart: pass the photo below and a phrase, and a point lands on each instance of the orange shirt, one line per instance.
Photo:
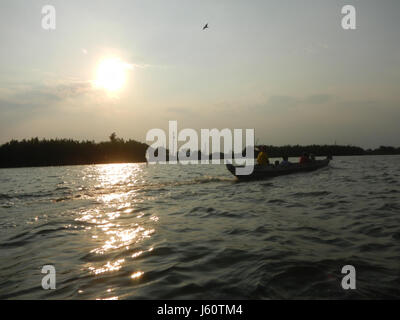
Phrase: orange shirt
(304, 159)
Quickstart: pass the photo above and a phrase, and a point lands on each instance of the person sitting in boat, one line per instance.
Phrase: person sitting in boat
(276, 163)
(312, 157)
(262, 158)
(304, 158)
(285, 162)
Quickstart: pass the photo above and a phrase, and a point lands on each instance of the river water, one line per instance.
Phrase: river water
(131, 231)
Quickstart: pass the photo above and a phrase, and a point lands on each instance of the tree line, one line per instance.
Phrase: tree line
(56, 152)
(325, 150)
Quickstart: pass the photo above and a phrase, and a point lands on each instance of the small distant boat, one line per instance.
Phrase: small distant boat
(269, 171)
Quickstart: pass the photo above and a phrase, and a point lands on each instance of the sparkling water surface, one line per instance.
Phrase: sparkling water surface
(131, 231)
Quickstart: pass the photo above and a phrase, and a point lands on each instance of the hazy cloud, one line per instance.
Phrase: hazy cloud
(287, 102)
(45, 94)
(318, 98)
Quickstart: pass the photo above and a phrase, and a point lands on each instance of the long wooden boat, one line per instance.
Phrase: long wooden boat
(268, 171)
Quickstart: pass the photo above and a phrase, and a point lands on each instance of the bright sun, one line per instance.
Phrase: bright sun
(111, 74)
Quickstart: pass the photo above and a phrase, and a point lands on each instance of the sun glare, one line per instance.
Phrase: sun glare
(111, 74)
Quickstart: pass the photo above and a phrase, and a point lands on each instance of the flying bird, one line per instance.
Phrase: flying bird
(206, 26)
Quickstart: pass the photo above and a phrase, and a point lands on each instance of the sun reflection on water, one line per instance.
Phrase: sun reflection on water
(110, 298)
(123, 238)
(137, 275)
(109, 266)
(116, 225)
(137, 254)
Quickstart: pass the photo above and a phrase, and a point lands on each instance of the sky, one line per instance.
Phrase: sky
(285, 68)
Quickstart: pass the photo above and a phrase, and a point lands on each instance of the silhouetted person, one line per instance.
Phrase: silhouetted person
(285, 162)
(304, 158)
(262, 158)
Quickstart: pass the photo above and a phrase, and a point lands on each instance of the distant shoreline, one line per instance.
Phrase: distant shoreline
(68, 152)
(143, 162)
